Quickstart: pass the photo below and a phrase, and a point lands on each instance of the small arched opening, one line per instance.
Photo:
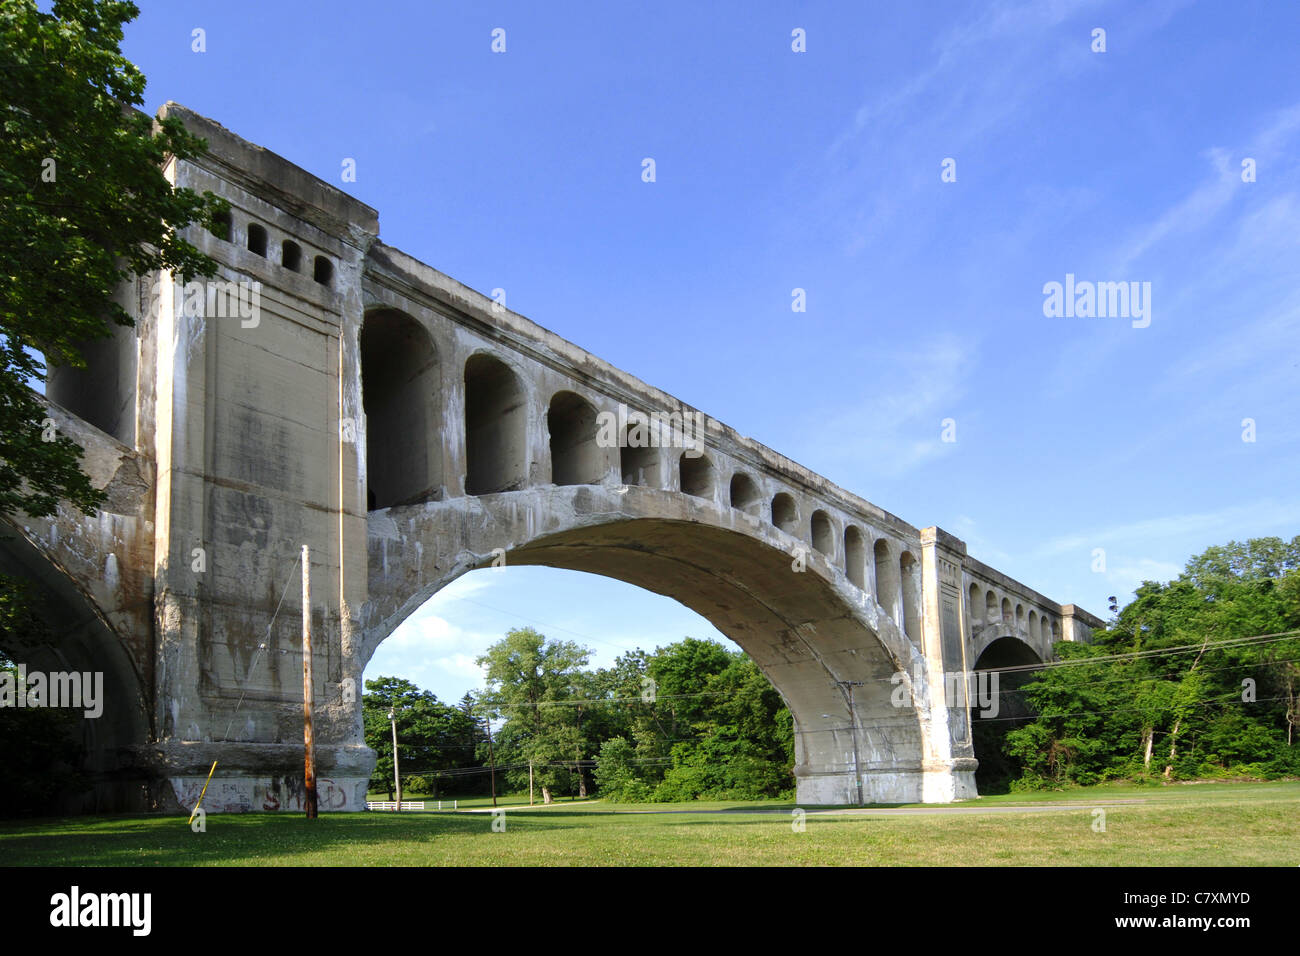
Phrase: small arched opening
(887, 589)
(400, 385)
(785, 513)
(576, 457)
(291, 255)
(496, 417)
(257, 239)
(823, 534)
(855, 557)
(910, 580)
(696, 475)
(745, 495)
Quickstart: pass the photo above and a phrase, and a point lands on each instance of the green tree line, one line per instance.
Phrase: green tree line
(1171, 689)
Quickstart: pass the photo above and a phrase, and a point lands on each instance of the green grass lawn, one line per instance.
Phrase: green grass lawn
(1214, 824)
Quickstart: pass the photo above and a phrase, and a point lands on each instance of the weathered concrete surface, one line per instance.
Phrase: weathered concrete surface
(91, 576)
(408, 429)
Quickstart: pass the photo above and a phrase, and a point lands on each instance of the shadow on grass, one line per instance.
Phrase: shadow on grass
(236, 839)
(230, 838)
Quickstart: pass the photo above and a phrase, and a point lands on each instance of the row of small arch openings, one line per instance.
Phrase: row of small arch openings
(984, 608)
(257, 241)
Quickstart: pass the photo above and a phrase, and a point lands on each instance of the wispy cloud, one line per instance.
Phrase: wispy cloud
(892, 426)
(1206, 525)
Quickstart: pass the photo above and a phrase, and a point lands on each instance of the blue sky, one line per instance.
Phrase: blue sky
(821, 170)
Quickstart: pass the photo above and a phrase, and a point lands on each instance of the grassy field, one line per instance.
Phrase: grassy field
(1214, 824)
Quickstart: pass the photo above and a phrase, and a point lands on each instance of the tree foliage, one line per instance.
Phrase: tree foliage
(692, 720)
(1167, 698)
(433, 737)
(85, 207)
(537, 686)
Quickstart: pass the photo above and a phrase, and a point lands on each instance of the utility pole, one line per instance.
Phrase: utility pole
(397, 777)
(530, 781)
(582, 781)
(309, 766)
(493, 759)
(853, 724)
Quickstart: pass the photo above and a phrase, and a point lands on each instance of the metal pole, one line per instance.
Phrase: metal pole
(309, 766)
(853, 724)
(397, 777)
(530, 782)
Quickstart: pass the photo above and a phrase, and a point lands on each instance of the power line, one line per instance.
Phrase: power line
(1125, 710)
(1112, 680)
(1256, 640)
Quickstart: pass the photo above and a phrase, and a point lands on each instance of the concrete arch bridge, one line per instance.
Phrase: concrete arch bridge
(328, 389)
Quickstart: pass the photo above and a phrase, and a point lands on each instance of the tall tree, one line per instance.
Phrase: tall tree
(533, 683)
(85, 207)
(432, 736)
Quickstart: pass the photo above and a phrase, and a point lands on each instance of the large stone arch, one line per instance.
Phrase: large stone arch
(997, 631)
(74, 636)
(810, 631)
(1014, 662)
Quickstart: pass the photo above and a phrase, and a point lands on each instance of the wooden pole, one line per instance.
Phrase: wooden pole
(397, 775)
(309, 767)
(492, 757)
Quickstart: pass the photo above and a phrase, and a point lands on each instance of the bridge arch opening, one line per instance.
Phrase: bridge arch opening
(66, 639)
(803, 631)
(630, 633)
(496, 421)
(400, 385)
(576, 457)
(1014, 662)
(975, 603)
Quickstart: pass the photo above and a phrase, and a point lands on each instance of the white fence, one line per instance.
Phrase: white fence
(406, 805)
